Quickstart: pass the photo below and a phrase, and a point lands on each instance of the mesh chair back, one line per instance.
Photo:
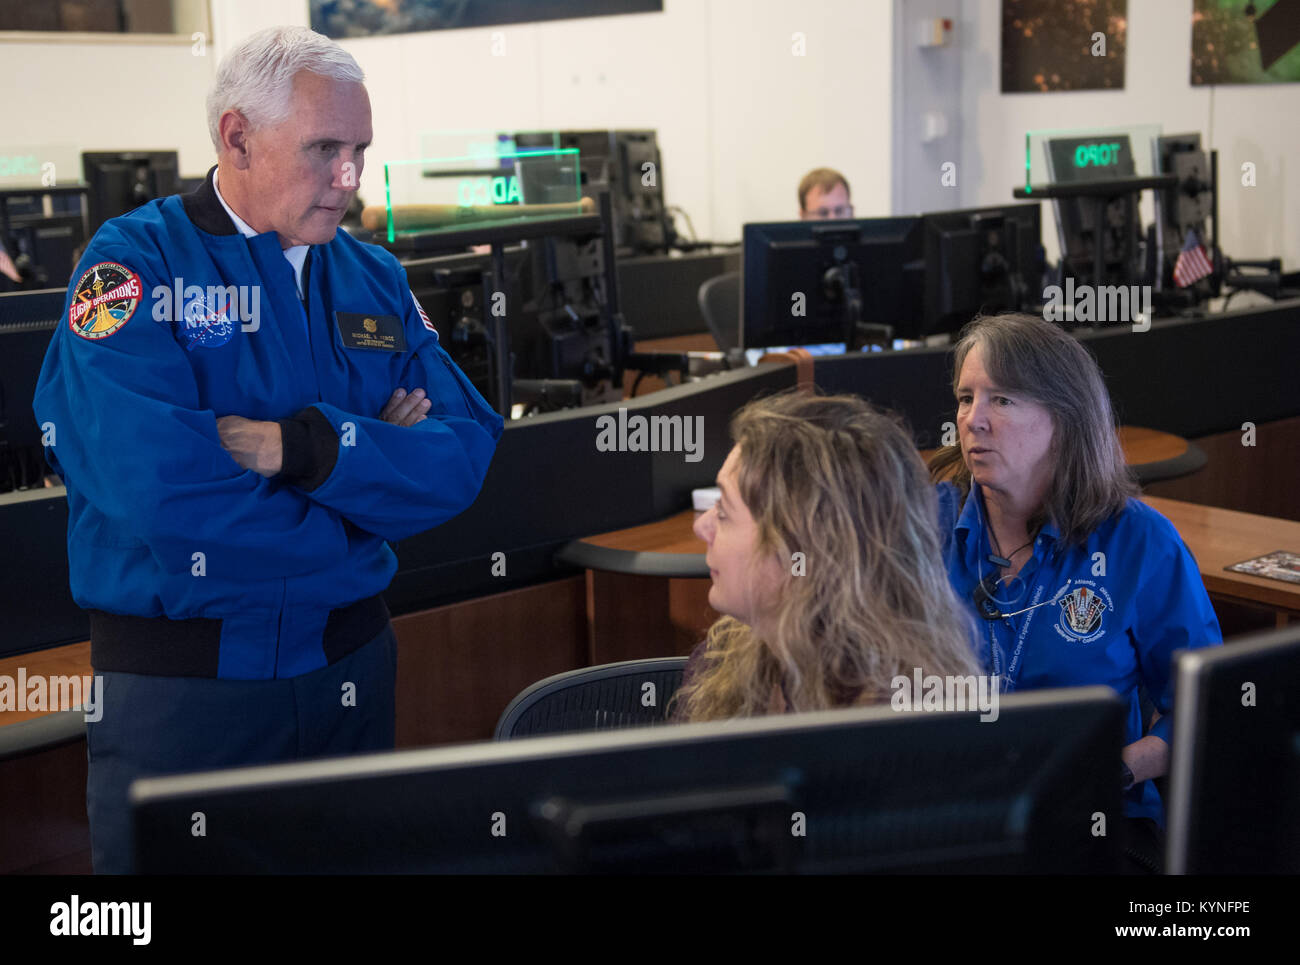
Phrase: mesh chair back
(720, 305)
(633, 693)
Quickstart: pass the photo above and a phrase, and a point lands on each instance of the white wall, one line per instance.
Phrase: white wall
(105, 96)
(740, 118)
(1248, 122)
(774, 116)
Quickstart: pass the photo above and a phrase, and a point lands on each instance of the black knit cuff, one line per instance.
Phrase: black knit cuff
(310, 448)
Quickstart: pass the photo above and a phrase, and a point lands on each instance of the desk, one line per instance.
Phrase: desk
(668, 548)
(645, 583)
(674, 343)
(72, 660)
(1221, 537)
(637, 559)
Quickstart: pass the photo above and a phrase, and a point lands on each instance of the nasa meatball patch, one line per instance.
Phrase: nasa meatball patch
(104, 300)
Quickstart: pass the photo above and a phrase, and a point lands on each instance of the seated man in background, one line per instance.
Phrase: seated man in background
(823, 195)
(826, 562)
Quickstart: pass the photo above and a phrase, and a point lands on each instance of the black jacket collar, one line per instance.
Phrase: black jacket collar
(205, 210)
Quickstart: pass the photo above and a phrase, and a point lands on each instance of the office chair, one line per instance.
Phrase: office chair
(719, 299)
(633, 693)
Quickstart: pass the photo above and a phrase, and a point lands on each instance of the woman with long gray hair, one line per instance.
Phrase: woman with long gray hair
(1074, 580)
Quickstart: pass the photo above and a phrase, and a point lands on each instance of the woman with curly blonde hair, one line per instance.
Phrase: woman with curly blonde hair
(826, 562)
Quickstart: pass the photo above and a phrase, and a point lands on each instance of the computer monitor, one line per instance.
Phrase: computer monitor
(1234, 781)
(846, 791)
(810, 282)
(452, 291)
(121, 181)
(981, 260)
(627, 164)
(45, 250)
(592, 147)
(43, 230)
(27, 323)
(559, 324)
(569, 335)
(1096, 158)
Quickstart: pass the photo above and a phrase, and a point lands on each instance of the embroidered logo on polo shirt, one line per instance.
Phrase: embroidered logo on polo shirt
(104, 299)
(1083, 610)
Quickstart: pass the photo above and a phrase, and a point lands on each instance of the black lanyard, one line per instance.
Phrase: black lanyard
(1012, 675)
(1034, 592)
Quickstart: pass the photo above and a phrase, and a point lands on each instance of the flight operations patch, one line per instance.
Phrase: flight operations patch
(104, 300)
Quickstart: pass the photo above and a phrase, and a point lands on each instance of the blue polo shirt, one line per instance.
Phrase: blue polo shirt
(1124, 601)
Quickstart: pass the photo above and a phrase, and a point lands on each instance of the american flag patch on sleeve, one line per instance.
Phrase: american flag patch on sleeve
(423, 317)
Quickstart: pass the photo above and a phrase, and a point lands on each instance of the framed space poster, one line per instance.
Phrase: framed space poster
(1240, 42)
(1050, 45)
(367, 18)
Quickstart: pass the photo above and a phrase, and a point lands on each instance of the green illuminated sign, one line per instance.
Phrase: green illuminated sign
(483, 191)
(15, 164)
(1096, 155)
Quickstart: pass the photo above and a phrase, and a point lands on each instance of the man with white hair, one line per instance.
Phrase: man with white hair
(245, 405)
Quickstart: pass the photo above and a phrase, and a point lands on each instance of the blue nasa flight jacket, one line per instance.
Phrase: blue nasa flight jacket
(1126, 600)
(190, 564)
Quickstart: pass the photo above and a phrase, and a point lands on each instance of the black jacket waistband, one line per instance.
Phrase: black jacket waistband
(192, 648)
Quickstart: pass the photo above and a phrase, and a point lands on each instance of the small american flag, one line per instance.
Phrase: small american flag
(7, 266)
(423, 317)
(1193, 264)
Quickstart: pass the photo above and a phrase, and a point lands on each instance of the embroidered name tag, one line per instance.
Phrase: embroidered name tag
(381, 332)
